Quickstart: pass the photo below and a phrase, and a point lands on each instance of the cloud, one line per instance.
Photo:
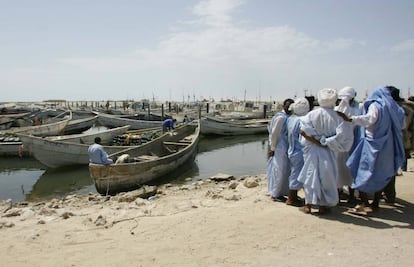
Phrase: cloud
(341, 44)
(404, 46)
(216, 13)
(219, 55)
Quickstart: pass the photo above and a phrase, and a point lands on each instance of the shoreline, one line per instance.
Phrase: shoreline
(214, 222)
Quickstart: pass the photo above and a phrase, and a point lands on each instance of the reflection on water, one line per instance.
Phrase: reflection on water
(60, 182)
(17, 177)
(26, 179)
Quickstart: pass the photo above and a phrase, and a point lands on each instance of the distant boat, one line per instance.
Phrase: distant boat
(136, 122)
(149, 161)
(7, 119)
(55, 127)
(9, 147)
(88, 137)
(80, 125)
(216, 126)
(55, 153)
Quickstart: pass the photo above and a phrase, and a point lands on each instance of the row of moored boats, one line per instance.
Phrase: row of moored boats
(137, 143)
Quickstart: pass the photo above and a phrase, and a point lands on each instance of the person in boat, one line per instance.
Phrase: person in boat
(381, 145)
(97, 154)
(324, 132)
(168, 125)
(186, 119)
(278, 168)
(295, 154)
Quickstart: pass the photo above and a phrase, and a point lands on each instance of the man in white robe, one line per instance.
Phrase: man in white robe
(324, 133)
(278, 168)
(349, 107)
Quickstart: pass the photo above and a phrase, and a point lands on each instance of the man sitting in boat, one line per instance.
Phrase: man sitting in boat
(168, 125)
(97, 153)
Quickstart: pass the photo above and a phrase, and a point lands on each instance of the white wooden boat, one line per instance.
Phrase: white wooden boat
(109, 120)
(11, 149)
(80, 125)
(89, 137)
(148, 162)
(56, 127)
(7, 120)
(59, 153)
(215, 126)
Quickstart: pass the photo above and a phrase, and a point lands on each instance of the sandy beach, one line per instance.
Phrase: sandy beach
(208, 223)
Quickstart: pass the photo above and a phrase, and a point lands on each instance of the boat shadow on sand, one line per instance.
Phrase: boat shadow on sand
(397, 215)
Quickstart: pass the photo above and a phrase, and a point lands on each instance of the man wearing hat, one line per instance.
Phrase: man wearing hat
(349, 107)
(278, 168)
(380, 152)
(295, 154)
(324, 133)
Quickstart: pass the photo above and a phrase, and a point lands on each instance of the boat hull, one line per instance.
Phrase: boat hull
(159, 162)
(211, 126)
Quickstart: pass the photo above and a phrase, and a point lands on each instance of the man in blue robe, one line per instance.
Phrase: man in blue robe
(380, 152)
(295, 154)
(97, 153)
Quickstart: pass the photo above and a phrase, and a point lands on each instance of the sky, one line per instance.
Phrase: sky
(176, 50)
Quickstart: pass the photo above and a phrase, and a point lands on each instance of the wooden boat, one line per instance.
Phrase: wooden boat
(215, 126)
(79, 125)
(106, 136)
(135, 122)
(56, 127)
(11, 148)
(59, 153)
(7, 120)
(148, 162)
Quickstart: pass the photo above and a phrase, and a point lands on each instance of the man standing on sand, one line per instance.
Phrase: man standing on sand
(295, 154)
(350, 107)
(380, 152)
(278, 168)
(97, 153)
(324, 132)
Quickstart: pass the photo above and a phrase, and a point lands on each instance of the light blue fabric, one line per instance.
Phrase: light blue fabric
(278, 169)
(319, 172)
(98, 155)
(375, 160)
(295, 153)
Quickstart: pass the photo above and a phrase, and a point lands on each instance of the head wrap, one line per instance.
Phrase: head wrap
(300, 106)
(327, 97)
(347, 92)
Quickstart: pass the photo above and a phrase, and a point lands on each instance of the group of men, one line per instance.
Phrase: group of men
(342, 144)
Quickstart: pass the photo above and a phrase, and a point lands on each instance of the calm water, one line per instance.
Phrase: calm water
(26, 179)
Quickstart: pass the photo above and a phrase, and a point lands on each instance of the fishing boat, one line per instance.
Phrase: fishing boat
(55, 127)
(148, 162)
(79, 125)
(138, 121)
(55, 153)
(215, 126)
(88, 137)
(10, 146)
(8, 119)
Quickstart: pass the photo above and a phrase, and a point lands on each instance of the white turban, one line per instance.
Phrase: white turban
(327, 97)
(347, 92)
(300, 106)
